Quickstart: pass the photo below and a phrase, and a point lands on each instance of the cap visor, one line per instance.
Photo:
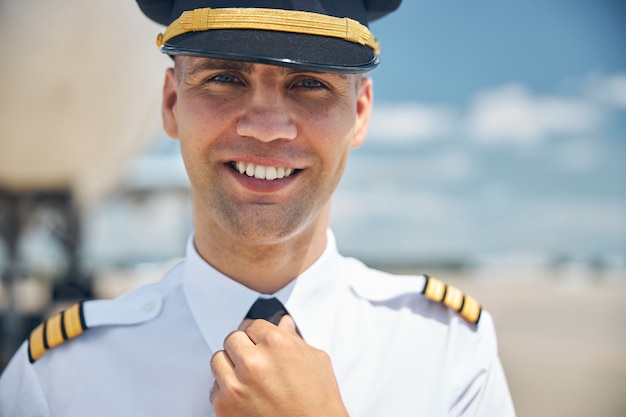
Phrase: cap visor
(312, 52)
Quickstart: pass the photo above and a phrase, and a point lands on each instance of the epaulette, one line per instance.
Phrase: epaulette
(57, 329)
(75, 320)
(452, 297)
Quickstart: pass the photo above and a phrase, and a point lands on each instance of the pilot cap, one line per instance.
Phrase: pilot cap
(319, 35)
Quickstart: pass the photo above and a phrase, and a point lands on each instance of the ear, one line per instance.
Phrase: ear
(168, 105)
(364, 102)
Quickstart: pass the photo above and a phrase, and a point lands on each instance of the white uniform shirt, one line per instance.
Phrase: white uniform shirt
(147, 353)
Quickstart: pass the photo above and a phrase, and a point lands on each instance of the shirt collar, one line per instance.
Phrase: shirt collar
(219, 304)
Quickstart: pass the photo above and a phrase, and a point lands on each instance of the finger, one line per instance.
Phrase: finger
(257, 330)
(236, 344)
(222, 367)
(287, 323)
(236, 339)
(214, 391)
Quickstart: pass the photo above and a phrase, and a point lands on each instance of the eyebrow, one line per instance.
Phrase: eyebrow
(209, 64)
(291, 70)
(212, 64)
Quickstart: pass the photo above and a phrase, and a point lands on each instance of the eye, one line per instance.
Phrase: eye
(310, 83)
(224, 79)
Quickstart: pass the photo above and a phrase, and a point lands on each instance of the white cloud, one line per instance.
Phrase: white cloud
(610, 91)
(451, 165)
(410, 122)
(511, 114)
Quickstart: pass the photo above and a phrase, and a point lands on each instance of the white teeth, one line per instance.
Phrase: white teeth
(270, 173)
(250, 170)
(259, 172)
(262, 172)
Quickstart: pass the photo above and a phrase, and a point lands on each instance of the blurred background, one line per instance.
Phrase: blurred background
(496, 161)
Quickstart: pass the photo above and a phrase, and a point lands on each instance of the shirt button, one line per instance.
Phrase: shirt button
(148, 306)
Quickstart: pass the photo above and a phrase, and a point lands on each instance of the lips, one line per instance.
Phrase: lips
(262, 172)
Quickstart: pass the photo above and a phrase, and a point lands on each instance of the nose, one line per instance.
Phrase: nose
(266, 117)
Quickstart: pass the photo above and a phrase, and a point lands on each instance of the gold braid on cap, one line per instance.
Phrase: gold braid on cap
(270, 19)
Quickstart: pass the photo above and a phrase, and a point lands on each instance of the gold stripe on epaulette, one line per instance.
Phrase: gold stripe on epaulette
(72, 321)
(54, 334)
(35, 344)
(471, 310)
(434, 289)
(453, 298)
(56, 330)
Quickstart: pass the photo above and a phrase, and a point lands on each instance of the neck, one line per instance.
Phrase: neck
(267, 267)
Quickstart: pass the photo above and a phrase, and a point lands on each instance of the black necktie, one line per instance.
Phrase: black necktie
(269, 309)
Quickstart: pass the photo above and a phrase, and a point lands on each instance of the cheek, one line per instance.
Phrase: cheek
(331, 125)
(330, 134)
(200, 124)
(337, 139)
(191, 159)
(196, 125)
(195, 118)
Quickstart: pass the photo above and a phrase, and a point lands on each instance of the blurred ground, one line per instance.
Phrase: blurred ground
(564, 350)
(562, 337)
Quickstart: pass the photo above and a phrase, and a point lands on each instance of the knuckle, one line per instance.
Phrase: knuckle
(229, 340)
(322, 355)
(253, 365)
(274, 338)
(257, 325)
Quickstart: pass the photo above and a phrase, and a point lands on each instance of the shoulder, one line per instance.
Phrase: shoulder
(382, 286)
(138, 306)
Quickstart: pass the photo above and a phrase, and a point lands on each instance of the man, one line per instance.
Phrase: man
(267, 100)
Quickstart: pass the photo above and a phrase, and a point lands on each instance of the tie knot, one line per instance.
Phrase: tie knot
(269, 309)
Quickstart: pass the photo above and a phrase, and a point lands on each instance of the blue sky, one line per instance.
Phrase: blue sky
(446, 50)
(499, 133)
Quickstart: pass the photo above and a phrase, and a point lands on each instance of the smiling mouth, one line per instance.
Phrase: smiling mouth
(262, 172)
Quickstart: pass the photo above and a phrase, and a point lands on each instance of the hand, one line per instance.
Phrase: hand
(269, 371)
